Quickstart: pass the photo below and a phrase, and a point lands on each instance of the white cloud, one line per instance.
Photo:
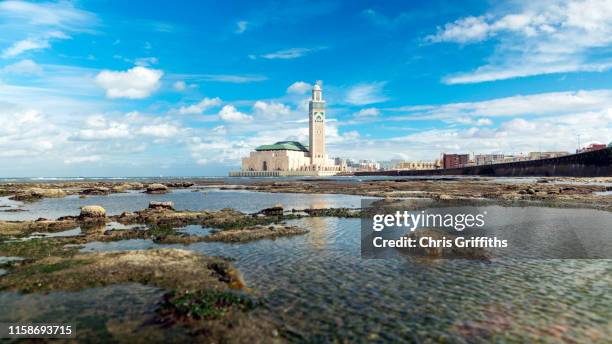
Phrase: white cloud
(82, 159)
(469, 29)
(136, 83)
(552, 103)
(146, 61)
(299, 87)
(179, 85)
(234, 79)
(26, 133)
(220, 129)
(241, 26)
(369, 112)
(163, 130)
(271, 110)
(287, 54)
(98, 128)
(229, 113)
(43, 23)
(200, 107)
(25, 45)
(520, 135)
(470, 121)
(62, 14)
(23, 67)
(536, 38)
(366, 93)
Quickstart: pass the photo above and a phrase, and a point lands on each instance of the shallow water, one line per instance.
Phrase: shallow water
(109, 314)
(207, 199)
(196, 230)
(319, 289)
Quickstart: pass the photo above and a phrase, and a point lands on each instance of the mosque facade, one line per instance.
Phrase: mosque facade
(286, 158)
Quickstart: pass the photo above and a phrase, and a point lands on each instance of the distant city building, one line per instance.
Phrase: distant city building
(546, 155)
(591, 147)
(455, 160)
(418, 165)
(343, 163)
(487, 159)
(390, 164)
(515, 158)
(366, 165)
(292, 157)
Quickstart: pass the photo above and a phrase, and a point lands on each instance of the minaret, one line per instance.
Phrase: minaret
(316, 113)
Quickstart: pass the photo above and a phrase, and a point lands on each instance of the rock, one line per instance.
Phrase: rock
(179, 184)
(167, 205)
(272, 211)
(35, 194)
(97, 191)
(157, 189)
(135, 186)
(92, 211)
(127, 216)
(120, 188)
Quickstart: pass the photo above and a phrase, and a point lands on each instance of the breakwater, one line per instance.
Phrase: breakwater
(589, 164)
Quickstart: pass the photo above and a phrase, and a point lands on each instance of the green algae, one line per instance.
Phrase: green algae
(206, 304)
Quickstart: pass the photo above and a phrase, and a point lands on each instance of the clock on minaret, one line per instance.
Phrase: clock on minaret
(316, 115)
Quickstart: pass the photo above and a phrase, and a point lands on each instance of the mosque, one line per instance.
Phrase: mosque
(291, 158)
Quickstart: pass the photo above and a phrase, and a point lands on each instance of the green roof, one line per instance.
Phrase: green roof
(284, 145)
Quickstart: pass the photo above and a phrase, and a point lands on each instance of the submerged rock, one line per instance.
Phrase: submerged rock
(203, 296)
(157, 189)
(255, 233)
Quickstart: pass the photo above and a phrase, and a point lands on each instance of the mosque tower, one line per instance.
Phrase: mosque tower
(316, 113)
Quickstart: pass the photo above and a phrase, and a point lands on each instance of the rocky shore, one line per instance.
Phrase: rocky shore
(217, 309)
(564, 192)
(206, 294)
(588, 192)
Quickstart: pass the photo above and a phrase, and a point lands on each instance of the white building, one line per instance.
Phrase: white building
(286, 158)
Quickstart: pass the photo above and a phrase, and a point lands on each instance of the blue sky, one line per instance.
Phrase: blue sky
(133, 88)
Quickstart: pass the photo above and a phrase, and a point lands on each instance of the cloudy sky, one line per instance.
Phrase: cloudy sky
(148, 88)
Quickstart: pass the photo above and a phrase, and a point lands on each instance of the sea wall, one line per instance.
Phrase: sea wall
(590, 164)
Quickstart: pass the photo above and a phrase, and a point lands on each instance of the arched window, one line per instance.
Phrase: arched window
(265, 166)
